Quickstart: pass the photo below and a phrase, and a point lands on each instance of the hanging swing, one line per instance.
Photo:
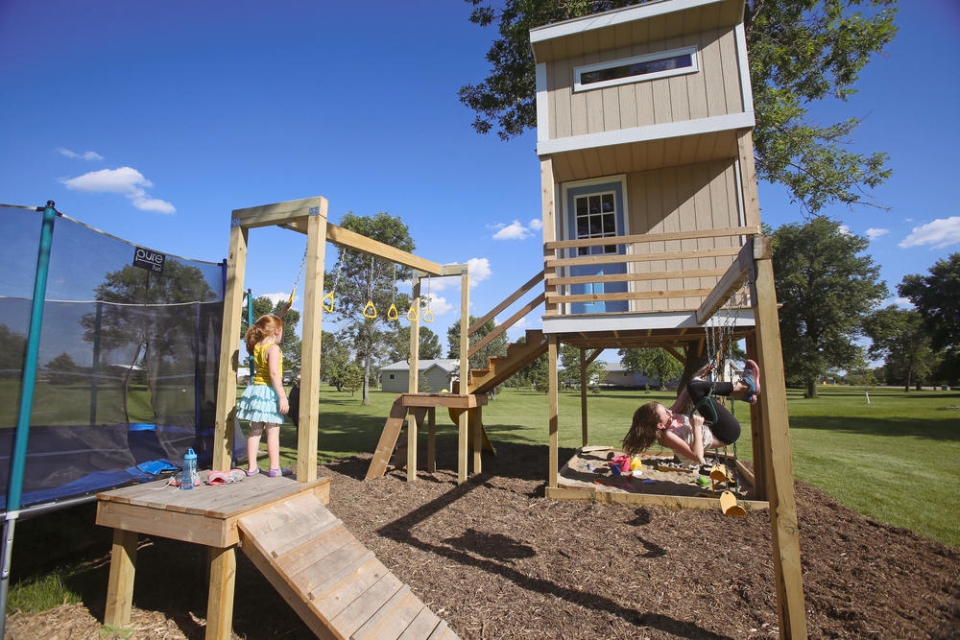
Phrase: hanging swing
(428, 314)
(393, 313)
(329, 299)
(296, 283)
(719, 338)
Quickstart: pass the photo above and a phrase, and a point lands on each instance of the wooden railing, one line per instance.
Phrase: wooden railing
(512, 320)
(681, 268)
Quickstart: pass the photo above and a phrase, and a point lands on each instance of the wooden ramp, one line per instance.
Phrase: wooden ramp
(334, 583)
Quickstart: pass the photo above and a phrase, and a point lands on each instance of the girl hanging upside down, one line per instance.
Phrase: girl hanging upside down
(690, 436)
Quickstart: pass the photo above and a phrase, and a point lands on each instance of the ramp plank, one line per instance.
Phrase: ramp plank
(330, 579)
(421, 627)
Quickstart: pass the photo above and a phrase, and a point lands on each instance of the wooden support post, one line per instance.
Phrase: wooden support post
(123, 569)
(554, 413)
(311, 332)
(476, 438)
(583, 396)
(412, 428)
(463, 418)
(229, 348)
(432, 440)
(223, 576)
(761, 446)
(413, 375)
(775, 425)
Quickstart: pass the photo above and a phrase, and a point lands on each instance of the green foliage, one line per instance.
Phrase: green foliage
(656, 364)
(937, 298)
(800, 52)
(13, 352)
(826, 289)
(364, 282)
(479, 360)
(61, 370)
(570, 357)
(900, 339)
(399, 347)
(803, 51)
(335, 359)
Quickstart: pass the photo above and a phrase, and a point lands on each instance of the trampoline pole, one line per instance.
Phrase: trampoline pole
(19, 454)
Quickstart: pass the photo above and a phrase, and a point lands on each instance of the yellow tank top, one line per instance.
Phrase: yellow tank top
(262, 375)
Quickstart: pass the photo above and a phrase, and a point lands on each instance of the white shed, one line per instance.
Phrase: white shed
(435, 373)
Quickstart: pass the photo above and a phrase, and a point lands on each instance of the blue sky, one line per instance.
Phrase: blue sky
(154, 120)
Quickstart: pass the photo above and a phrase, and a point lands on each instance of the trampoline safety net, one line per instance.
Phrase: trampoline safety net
(128, 359)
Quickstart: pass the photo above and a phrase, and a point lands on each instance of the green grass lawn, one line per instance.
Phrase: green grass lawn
(896, 459)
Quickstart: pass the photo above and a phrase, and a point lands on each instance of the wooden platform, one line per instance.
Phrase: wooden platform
(415, 408)
(336, 585)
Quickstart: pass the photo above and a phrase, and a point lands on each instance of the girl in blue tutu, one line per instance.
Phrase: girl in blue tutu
(264, 403)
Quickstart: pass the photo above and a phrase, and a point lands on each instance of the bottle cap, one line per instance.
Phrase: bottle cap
(190, 455)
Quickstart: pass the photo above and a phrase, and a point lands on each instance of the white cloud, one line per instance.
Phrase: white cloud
(438, 305)
(844, 229)
(512, 231)
(86, 155)
(479, 270)
(873, 234)
(536, 224)
(940, 233)
(126, 181)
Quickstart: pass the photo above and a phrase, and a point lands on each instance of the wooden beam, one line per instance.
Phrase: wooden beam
(500, 328)
(553, 411)
(775, 424)
(366, 245)
(616, 258)
(733, 279)
(648, 238)
(280, 213)
(223, 576)
(311, 330)
(229, 350)
(513, 297)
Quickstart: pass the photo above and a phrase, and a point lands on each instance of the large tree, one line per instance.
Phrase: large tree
(900, 339)
(145, 320)
(827, 289)
(936, 297)
(364, 287)
(800, 52)
(656, 364)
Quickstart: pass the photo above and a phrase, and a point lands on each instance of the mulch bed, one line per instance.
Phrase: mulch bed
(497, 560)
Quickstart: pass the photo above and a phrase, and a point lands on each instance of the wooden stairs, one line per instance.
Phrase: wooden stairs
(500, 368)
(333, 582)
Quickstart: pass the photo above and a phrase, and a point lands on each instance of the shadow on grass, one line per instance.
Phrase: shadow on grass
(942, 430)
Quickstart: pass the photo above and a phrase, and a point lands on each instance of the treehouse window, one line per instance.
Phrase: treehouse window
(636, 69)
(596, 217)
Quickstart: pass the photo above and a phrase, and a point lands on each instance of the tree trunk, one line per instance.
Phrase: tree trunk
(812, 389)
(366, 382)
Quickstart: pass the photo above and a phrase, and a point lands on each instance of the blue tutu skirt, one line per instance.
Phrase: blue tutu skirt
(259, 404)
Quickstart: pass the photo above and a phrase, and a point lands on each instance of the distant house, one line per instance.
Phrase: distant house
(618, 377)
(435, 373)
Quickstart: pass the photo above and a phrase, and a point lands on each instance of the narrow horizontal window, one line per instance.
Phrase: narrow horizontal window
(636, 69)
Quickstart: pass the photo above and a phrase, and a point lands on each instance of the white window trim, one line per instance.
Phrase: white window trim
(659, 55)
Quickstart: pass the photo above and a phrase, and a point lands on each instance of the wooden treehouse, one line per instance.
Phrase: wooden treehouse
(651, 231)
